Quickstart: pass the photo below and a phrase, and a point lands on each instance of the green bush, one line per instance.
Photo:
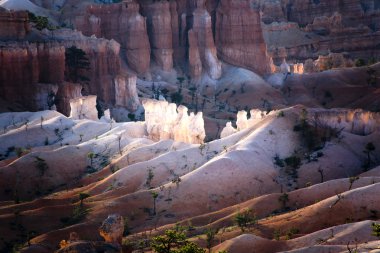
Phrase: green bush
(293, 161)
(174, 241)
(40, 22)
(245, 219)
(360, 63)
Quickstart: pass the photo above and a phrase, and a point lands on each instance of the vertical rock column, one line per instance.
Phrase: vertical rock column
(136, 38)
(201, 35)
(159, 23)
(239, 36)
(123, 23)
(126, 92)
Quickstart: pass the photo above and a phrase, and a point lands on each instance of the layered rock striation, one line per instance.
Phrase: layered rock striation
(239, 36)
(123, 23)
(14, 25)
(43, 66)
(321, 27)
(183, 33)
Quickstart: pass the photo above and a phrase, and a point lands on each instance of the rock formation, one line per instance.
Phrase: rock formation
(159, 26)
(165, 121)
(83, 108)
(322, 27)
(38, 63)
(112, 229)
(65, 93)
(44, 63)
(202, 43)
(227, 130)
(177, 29)
(45, 96)
(243, 122)
(123, 23)
(13, 24)
(358, 121)
(126, 92)
(239, 36)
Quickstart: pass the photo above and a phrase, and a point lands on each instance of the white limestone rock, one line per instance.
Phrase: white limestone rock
(228, 130)
(164, 121)
(84, 108)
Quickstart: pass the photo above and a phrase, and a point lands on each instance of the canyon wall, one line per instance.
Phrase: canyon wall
(13, 24)
(321, 27)
(26, 64)
(123, 23)
(239, 36)
(181, 33)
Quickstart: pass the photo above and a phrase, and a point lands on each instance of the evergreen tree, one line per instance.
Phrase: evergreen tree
(76, 63)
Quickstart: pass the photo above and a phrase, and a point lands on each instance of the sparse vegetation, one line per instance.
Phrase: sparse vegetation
(245, 219)
(91, 156)
(78, 214)
(291, 232)
(154, 196)
(280, 114)
(376, 229)
(210, 236)
(126, 227)
(360, 63)
(174, 241)
(77, 63)
(284, 199)
(352, 180)
(83, 196)
(41, 165)
(369, 148)
(40, 22)
(149, 178)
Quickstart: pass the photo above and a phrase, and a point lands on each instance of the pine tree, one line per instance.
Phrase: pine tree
(76, 62)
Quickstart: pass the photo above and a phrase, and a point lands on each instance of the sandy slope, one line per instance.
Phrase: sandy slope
(202, 185)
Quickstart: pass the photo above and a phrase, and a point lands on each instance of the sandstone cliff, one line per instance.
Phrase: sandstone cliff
(181, 32)
(44, 62)
(321, 27)
(13, 25)
(123, 23)
(239, 37)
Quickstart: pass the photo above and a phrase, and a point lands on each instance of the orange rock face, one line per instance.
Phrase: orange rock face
(239, 37)
(13, 25)
(159, 23)
(24, 65)
(123, 23)
(196, 32)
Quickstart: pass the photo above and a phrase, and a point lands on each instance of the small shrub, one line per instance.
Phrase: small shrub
(376, 229)
(245, 219)
(360, 63)
(41, 165)
(83, 196)
(293, 161)
(149, 178)
(291, 232)
(278, 161)
(126, 227)
(281, 114)
(132, 116)
(283, 199)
